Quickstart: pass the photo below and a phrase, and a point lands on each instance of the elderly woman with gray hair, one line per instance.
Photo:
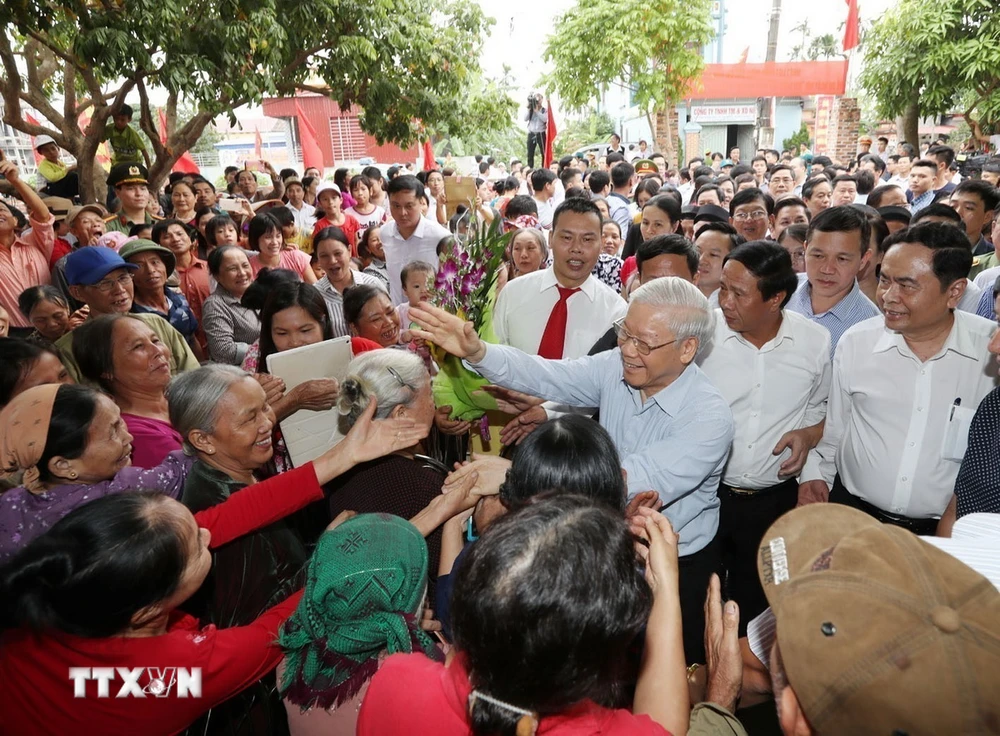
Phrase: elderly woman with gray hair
(670, 425)
(225, 421)
(403, 482)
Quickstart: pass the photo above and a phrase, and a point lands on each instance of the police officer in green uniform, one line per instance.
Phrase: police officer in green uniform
(129, 181)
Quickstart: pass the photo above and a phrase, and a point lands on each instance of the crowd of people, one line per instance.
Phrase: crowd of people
(749, 432)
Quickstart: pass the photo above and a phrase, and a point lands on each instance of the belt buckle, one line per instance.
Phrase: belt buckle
(742, 491)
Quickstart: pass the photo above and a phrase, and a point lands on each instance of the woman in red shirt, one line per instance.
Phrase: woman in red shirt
(543, 610)
(93, 641)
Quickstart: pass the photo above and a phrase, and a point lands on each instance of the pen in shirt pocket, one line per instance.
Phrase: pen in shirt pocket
(958, 402)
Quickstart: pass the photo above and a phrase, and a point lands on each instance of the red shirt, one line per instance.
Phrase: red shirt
(60, 249)
(37, 694)
(628, 268)
(413, 695)
(350, 226)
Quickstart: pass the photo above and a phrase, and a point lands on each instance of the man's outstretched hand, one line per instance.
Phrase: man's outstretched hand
(450, 333)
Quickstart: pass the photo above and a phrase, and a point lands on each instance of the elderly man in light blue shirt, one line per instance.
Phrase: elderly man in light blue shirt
(671, 426)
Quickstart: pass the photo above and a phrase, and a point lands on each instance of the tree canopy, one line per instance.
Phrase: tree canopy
(652, 46)
(925, 56)
(411, 67)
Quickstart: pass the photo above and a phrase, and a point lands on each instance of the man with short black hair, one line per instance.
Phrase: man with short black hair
(714, 242)
(622, 183)
(599, 183)
(976, 202)
(908, 384)
(615, 146)
(787, 212)
(875, 164)
(408, 236)
(771, 365)
(923, 175)
(845, 190)
(943, 157)
(543, 186)
(734, 155)
(991, 171)
(882, 148)
(837, 250)
(782, 181)
(759, 166)
(751, 213)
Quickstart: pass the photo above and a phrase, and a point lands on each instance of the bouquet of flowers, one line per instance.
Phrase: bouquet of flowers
(466, 286)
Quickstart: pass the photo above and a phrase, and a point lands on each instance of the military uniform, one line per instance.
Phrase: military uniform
(126, 173)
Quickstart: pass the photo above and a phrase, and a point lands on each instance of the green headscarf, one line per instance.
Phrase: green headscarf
(365, 583)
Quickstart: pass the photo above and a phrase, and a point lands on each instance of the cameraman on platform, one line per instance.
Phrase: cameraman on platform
(537, 118)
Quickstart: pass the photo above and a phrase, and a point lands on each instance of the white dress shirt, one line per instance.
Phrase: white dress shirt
(545, 212)
(523, 310)
(335, 300)
(420, 246)
(888, 414)
(772, 390)
(305, 218)
(524, 306)
(970, 297)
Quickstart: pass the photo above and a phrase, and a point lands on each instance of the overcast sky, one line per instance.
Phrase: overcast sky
(522, 26)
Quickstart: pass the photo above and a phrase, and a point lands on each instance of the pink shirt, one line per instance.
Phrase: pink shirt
(24, 264)
(293, 260)
(152, 440)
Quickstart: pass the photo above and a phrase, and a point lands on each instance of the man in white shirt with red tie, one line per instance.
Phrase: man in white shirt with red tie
(560, 311)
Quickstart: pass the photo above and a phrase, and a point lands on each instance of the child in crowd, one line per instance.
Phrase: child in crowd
(416, 279)
(330, 203)
(364, 210)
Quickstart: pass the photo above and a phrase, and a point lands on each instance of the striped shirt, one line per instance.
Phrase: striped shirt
(335, 300)
(229, 326)
(853, 308)
(975, 540)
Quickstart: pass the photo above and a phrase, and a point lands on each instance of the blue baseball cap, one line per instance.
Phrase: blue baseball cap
(89, 265)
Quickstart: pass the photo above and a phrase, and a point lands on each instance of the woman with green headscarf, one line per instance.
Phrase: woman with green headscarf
(364, 592)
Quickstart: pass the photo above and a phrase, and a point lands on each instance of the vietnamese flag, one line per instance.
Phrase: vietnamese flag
(550, 134)
(312, 154)
(429, 163)
(852, 26)
(185, 164)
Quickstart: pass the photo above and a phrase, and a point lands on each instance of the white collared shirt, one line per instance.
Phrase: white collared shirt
(421, 246)
(305, 218)
(524, 306)
(888, 413)
(772, 390)
(545, 211)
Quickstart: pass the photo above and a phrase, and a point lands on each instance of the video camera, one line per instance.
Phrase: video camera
(534, 101)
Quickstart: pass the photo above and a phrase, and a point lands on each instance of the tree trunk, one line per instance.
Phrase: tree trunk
(911, 124)
(664, 135)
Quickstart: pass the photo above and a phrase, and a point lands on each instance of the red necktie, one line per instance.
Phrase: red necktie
(554, 336)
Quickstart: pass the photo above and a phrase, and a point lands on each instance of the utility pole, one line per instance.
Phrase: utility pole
(765, 125)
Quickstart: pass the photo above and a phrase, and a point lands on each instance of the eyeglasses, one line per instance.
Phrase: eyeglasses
(755, 215)
(642, 346)
(108, 285)
(395, 374)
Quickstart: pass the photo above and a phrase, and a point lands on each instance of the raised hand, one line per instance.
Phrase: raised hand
(451, 333)
(722, 648)
(370, 438)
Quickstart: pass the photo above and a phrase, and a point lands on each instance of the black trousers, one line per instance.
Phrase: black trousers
(68, 187)
(840, 494)
(535, 139)
(743, 520)
(695, 570)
